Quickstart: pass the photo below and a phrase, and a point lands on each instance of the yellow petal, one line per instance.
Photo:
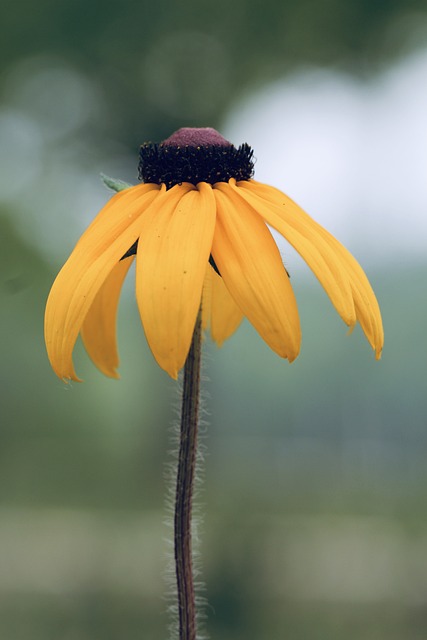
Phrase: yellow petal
(367, 308)
(224, 314)
(207, 299)
(107, 222)
(99, 249)
(250, 264)
(303, 234)
(98, 330)
(171, 263)
(366, 305)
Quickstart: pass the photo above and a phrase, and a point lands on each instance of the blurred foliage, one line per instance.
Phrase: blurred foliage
(161, 65)
(328, 438)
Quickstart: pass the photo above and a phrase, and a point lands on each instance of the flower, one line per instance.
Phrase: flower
(197, 226)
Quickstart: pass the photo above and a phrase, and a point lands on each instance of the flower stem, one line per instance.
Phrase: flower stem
(184, 488)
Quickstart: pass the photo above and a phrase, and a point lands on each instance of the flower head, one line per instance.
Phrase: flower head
(197, 226)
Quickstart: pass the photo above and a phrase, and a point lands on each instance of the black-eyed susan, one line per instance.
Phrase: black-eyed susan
(198, 227)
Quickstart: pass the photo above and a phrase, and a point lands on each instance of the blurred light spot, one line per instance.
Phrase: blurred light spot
(54, 223)
(20, 153)
(58, 97)
(187, 74)
(352, 154)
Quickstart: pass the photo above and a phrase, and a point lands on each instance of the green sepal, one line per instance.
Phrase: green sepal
(115, 185)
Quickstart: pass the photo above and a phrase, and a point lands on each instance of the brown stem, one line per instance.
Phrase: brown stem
(184, 488)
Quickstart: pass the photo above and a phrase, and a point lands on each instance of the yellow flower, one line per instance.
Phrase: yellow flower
(198, 229)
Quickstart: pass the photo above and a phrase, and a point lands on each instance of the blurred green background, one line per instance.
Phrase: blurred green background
(314, 496)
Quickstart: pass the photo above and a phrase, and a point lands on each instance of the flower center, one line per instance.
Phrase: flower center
(194, 155)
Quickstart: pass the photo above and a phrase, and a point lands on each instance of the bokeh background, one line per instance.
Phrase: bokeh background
(314, 498)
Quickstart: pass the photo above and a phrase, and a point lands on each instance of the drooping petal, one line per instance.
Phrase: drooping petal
(366, 305)
(250, 264)
(219, 311)
(98, 330)
(304, 236)
(171, 263)
(102, 245)
(107, 221)
(207, 299)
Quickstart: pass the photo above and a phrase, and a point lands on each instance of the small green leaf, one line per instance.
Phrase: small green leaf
(115, 185)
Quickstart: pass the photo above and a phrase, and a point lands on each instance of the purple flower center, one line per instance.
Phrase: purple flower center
(196, 137)
(194, 155)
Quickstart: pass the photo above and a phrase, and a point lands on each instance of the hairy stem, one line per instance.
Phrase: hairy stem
(184, 488)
